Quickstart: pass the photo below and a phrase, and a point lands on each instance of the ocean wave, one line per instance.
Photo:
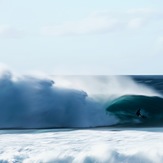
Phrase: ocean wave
(32, 102)
(28, 101)
(125, 108)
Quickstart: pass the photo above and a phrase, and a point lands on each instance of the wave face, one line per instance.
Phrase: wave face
(28, 101)
(125, 108)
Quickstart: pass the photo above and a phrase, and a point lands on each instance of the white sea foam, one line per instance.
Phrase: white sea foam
(82, 146)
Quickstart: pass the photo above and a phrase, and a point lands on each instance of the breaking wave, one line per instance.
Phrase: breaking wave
(125, 108)
(45, 102)
(34, 102)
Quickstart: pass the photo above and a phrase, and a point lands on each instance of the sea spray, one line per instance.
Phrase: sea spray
(30, 102)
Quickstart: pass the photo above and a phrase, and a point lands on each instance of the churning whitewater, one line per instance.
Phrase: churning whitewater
(82, 146)
(29, 101)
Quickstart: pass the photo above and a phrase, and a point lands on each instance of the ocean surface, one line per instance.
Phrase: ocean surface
(81, 119)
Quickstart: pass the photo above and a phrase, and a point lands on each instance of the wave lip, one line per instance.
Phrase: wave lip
(125, 108)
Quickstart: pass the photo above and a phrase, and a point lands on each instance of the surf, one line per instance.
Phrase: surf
(125, 108)
(31, 101)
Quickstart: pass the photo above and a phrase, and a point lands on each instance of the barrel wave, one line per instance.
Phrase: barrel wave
(125, 108)
(27, 101)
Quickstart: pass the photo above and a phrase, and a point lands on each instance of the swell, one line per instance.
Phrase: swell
(37, 102)
(125, 108)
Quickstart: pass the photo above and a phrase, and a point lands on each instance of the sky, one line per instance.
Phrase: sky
(88, 37)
